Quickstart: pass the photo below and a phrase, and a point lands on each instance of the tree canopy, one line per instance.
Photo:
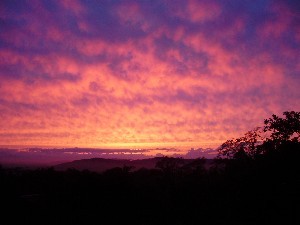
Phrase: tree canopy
(275, 133)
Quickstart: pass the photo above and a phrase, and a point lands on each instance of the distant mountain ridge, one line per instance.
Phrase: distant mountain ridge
(101, 164)
(44, 157)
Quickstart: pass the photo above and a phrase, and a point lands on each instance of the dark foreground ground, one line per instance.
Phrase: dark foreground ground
(264, 191)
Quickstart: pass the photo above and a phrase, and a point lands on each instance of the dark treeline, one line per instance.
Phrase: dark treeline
(255, 180)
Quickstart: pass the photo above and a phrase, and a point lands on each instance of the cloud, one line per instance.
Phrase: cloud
(133, 73)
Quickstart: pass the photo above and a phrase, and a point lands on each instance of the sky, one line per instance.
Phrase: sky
(122, 74)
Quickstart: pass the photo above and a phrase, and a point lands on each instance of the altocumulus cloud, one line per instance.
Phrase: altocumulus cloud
(121, 73)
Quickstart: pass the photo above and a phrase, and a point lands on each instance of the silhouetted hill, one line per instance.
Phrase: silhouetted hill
(101, 165)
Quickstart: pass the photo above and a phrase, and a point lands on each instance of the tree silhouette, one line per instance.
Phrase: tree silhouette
(278, 132)
(169, 164)
(283, 129)
(243, 147)
(196, 166)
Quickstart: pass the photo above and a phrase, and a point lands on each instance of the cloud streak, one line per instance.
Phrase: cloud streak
(115, 74)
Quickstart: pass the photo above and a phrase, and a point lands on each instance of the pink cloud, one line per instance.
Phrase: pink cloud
(73, 5)
(199, 11)
(279, 24)
(177, 82)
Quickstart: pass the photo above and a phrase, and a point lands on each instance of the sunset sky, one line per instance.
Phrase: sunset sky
(153, 73)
